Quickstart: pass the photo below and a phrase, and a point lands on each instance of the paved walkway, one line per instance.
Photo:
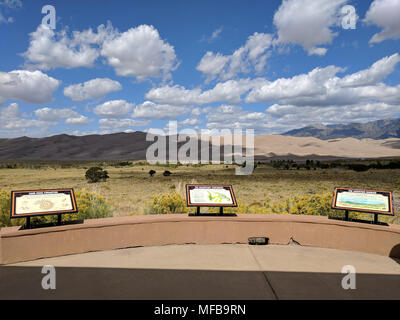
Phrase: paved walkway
(206, 272)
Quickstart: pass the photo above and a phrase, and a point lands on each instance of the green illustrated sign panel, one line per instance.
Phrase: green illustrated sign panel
(372, 201)
(210, 195)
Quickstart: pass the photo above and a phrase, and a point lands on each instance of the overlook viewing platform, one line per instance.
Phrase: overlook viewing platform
(154, 230)
(143, 257)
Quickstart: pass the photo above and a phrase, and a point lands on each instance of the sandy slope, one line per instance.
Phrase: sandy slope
(134, 146)
(269, 145)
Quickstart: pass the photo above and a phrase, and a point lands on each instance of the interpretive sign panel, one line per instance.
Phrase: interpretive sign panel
(371, 201)
(30, 203)
(201, 195)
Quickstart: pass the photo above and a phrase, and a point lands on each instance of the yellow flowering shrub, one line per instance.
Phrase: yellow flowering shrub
(166, 203)
(5, 207)
(242, 208)
(92, 206)
(313, 204)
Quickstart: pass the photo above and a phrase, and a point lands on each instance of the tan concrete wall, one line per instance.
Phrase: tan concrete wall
(112, 233)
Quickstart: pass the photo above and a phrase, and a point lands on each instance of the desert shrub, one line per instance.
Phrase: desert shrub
(166, 203)
(395, 219)
(95, 174)
(315, 204)
(359, 167)
(166, 173)
(390, 165)
(5, 207)
(90, 206)
(242, 208)
(168, 164)
(393, 165)
(123, 164)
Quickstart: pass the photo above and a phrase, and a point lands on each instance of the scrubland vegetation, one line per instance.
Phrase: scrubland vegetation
(280, 187)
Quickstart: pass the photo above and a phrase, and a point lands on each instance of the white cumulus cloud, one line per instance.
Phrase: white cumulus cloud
(49, 49)
(151, 110)
(28, 86)
(384, 14)
(13, 121)
(92, 89)
(289, 117)
(122, 123)
(252, 56)
(229, 91)
(54, 114)
(190, 122)
(113, 109)
(377, 72)
(231, 117)
(140, 52)
(308, 23)
(303, 85)
(322, 87)
(79, 120)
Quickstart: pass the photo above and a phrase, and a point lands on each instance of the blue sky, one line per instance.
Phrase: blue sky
(271, 66)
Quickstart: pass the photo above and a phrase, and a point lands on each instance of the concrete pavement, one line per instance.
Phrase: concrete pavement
(225, 271)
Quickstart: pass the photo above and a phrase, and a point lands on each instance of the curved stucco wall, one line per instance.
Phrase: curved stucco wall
(112, 233)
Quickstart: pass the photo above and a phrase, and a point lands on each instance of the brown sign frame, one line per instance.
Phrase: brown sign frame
(389, 194)
(14, 195)
(225, 186)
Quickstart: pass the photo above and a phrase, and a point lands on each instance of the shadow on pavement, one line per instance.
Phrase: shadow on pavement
(157, 284)
(395, 253)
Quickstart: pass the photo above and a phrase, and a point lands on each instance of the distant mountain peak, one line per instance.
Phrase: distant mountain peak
(379, 129)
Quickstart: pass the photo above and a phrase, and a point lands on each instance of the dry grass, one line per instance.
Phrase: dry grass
(130, 188)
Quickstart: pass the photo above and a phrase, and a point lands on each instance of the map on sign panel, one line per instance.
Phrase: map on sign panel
(368, 201)
(219, 196)
(33, 203)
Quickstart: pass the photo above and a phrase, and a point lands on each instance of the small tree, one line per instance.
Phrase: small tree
(359, 167)
(152, 173)
(95, 174)
(166, 173)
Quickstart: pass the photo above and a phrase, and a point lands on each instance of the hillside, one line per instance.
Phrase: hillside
(380, 129)
(133, 146)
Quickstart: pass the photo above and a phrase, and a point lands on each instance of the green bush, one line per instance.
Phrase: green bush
(123, 164)
(166, 173)
(95, 174)
(152, 173)
(90, 206)
(166, 203)
(359, 167)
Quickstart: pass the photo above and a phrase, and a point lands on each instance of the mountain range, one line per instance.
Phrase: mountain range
(380, 129)
(133, 146)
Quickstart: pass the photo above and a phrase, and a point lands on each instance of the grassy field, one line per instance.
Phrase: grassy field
(130, 188)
